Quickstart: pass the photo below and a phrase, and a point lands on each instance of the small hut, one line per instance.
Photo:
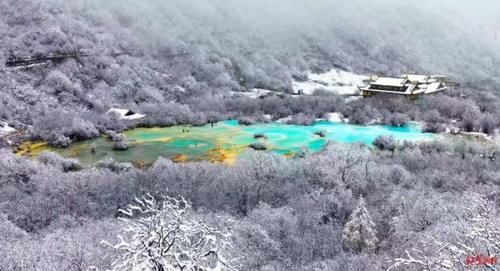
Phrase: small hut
(125, 114)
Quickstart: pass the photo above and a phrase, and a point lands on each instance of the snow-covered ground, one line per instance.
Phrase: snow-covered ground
(334, 117)
(256, 93)
(339, 82)
(253, 93)
(336, 81)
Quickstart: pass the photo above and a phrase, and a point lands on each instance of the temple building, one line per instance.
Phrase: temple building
(407, 84)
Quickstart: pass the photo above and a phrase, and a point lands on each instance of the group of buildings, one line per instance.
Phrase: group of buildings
(407, 84)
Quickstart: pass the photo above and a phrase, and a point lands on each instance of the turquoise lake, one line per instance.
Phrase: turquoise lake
(227, 140)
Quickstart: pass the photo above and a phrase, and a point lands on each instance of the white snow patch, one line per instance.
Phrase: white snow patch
(339, 82)
(335, 81)
(478, 135)
(334, 117)
(253, 93)
(256, 92)
(179, 89)
(284, 120)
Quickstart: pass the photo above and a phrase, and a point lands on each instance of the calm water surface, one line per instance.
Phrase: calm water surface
(227, 140)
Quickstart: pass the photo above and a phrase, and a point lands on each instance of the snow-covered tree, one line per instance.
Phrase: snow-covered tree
(164, 236)
(477, 244)
(359, 232)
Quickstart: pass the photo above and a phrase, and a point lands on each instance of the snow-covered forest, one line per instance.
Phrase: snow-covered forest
(396, 205)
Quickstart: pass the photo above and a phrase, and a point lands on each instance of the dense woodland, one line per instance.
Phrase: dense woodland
(286, 214)
(394, 205)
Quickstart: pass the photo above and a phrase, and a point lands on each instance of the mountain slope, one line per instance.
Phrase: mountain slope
(156, 51)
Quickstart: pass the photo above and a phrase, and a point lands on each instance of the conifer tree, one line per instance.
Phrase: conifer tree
(359, 232)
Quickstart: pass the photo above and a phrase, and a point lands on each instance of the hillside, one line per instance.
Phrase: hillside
(161, 51)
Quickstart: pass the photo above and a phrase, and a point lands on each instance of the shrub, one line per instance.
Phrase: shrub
(258, 146)
(120, 146)
(114, 136)
(385, 143)
(58, 140)
(433, 128)
(320, 133)
(470, 120)
(3, 143)
(397, 119)
(488, 123)
(433, 146)
(58, 128)
(120, 141)
(114, 166)
(243, 120)
(302, 119)
(82, 129)
(362, 114)
(257, 136)
(63, 164)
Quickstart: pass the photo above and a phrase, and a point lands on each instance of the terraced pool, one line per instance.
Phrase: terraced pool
(225, 141)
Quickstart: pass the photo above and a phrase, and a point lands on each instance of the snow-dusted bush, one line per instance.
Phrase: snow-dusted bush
(120, 142)
(114, 136)
(114, 166)
(396, 119)
(386, 143)
(57, 140)
(488, 123)
(169, 114)
(434, 146)
(120, 145)
(244, 120)
(361, 114)
(433, 122)
(58, 128)
(477, 239)
(57, 82)
(470, 120)
(301, 119)
(258, 146)
(63, 164)
(82, 129)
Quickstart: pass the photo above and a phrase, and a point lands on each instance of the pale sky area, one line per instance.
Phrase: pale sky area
(481, 13)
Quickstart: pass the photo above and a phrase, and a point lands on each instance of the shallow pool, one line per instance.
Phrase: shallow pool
(225, 141)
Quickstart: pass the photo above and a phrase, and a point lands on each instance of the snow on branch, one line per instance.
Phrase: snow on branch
(163, 235)
(478, 244)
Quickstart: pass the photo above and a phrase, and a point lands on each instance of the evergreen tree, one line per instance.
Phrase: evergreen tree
(359, 232)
